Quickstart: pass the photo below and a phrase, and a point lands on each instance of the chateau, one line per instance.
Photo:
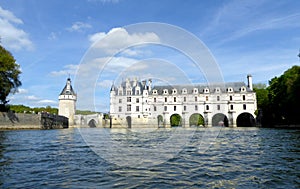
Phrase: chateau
(136, 104)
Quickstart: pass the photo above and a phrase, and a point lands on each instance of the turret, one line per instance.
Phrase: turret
(67, 102)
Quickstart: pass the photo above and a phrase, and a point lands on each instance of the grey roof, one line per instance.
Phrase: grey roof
(65, 91)
(236, 86)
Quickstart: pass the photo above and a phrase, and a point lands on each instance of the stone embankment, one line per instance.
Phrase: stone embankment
(12, 121)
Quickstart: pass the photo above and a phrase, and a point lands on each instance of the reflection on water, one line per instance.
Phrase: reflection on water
(236, 158)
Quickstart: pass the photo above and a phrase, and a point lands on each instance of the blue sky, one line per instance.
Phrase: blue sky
(49, 39)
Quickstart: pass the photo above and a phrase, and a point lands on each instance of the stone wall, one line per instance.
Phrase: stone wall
(10, 120)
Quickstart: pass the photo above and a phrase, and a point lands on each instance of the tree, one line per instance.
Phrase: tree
(284, 93)
(9, 75)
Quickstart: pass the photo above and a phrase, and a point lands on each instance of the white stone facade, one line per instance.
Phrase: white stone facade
(67, 102)
(139, 104)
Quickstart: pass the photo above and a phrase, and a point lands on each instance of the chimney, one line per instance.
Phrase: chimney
(250, 85)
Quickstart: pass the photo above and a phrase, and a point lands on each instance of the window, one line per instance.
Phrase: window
(206, 98)
(184, 91)
(128, 92)
(244, 97)
(195, 90)
(196, 107)
(230, 89)
(184, 108)
(137, 108)
(137, 100)
(231, 107)
(207, 107)
(120, 101)
(128, 108)
(218, 107)
(166, 99)
(196, 99)
(154, 92)
(184, 99)
(120, 108)
(218, 98)
(174, 91)
(230, 98)
(174, 99)
(139, 116)
(120, 92)
(154, 99)
(154, 108)
(128, 99)
(174, 108)
(165, 108)
(165, 91)
(138, 92)
(244, 106)
(206, 90)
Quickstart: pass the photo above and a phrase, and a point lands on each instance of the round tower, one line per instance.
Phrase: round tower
(67, 102)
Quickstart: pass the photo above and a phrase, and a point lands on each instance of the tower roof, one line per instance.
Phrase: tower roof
(68, 89)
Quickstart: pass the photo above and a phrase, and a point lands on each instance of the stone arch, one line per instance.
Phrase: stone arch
(160, 120)
(175, 120)
(128, 121)
(220, 119)
(92, 123)
(245, 120)
(196, 119)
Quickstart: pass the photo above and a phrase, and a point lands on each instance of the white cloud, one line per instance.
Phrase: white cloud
(105, 83)
(67, 69)
(47, 102)
(22, 91)
(118, 38)
(52, 36)
(79, 27)
(11, 36)
(31, 97)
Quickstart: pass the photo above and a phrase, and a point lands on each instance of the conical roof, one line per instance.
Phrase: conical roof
(68, 89)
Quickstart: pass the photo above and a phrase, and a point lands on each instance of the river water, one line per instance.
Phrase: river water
(162, 158)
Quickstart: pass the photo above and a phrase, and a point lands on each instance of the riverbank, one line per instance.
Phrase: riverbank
(18, 121)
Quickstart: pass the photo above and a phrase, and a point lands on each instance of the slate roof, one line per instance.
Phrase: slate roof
(65, 91)
(236, 86)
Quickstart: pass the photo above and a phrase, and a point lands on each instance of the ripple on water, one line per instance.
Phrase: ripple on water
(237, 158)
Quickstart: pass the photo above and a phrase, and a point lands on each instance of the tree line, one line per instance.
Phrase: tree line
(279, 102)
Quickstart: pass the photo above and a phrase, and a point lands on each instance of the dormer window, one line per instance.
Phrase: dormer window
(174, 91)
(243, 89)
(154, 91)
(165, 91)
(217, 90)
(230, 89)
(206, 90)
(184, 91)
(120, 92)
(195, 91)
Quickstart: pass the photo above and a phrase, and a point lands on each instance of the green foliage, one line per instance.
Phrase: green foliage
(26, 109)
(9, 75)
(85, 112)
(284, 93)
(106, 116)
(196, 119)
(280, 102)
(175, 120)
